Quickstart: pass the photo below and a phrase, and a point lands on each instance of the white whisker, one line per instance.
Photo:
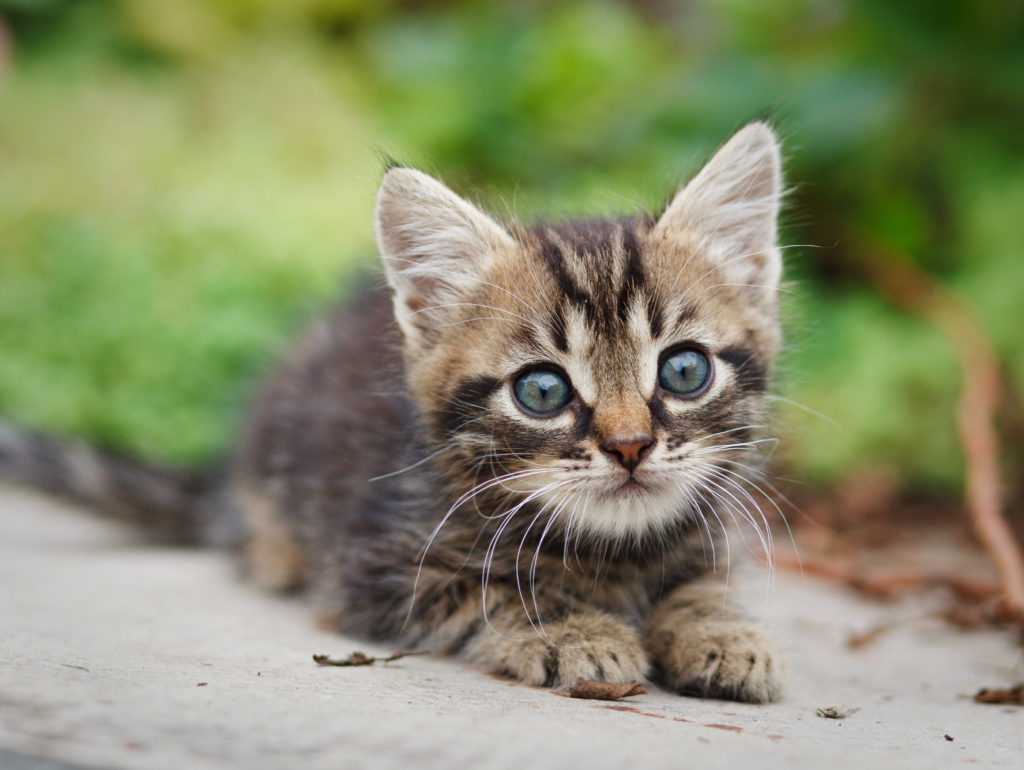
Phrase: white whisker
(408, 468)
(804, 408)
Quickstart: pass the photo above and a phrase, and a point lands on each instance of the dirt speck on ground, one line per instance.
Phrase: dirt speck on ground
(360, 659)
(836, 712)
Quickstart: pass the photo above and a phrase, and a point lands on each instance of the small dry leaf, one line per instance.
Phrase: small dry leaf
(587, 688)
(1013, 696)
(836, 712)
(360, 659)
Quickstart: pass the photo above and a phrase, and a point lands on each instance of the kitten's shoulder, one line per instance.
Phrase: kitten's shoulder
(361, 327)
(340, 393)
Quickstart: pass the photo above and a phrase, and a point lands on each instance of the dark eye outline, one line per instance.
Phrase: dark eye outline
(551, 369)
(693, 394)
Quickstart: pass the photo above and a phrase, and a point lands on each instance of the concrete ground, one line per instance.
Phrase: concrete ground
(120, 655)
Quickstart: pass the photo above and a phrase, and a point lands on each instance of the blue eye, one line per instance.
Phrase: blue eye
(684, 372)
(542, 391)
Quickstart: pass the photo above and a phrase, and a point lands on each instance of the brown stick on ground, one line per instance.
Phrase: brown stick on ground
(912, 288)
(588, 688)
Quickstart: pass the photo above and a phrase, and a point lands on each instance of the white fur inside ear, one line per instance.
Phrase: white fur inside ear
(731, 208)
(435, 246)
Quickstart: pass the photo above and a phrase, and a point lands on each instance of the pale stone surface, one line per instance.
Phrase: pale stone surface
(117, 654)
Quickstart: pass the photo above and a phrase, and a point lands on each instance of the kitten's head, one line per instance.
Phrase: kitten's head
(605, 372)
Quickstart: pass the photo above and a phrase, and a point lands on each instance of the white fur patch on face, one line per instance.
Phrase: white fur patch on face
(580, 339)
(599, 498)
(610, 506)
(630, 514)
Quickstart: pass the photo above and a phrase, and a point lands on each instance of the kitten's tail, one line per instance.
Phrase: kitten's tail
(173, 505)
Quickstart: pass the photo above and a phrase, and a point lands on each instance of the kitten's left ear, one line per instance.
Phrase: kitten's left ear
(730, 209)
(436, 247)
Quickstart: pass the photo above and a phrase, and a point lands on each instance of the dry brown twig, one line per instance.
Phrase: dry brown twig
(889, 582)
(913, 289)
(1013, 695)
(591, 690)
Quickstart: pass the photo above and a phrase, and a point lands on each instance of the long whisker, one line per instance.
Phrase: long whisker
(752, 444)
(407, 468)
(540, 544)
(492, 547)
(725, 536)
(771, 499)
(804, 408)
(471, 493)
(736, 507)
(685, 486)
(519, 551)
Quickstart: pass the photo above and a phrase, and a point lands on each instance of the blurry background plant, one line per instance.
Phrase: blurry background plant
(183, 182)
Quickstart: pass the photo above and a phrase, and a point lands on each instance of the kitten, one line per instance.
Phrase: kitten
(523, 451)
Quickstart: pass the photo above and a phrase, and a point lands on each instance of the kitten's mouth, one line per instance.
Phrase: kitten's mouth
(632, 486)
(612, 491)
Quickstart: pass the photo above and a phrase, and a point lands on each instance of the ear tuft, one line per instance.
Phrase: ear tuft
(435, 246)
(732, 207)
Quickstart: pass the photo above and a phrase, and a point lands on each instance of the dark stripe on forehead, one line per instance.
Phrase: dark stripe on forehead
(688, 313)
(554, 257)
(655, 316)
(633, 276)
(751, 374)
(593, 245)
(559, 333)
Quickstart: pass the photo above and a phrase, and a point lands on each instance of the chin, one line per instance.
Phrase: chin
(628, 511)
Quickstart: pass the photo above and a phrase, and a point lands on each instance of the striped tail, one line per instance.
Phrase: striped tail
(171, 504)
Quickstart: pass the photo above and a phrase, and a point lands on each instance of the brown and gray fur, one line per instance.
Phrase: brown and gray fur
(387, 467)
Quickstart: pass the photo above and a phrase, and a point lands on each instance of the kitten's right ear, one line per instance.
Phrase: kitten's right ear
(436, 247)
(732, 205)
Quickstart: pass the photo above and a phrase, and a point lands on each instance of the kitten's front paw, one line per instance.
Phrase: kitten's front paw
(583, 646)
(719, 659)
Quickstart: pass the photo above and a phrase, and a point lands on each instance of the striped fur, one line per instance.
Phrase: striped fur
(170, 504)
(388, 467)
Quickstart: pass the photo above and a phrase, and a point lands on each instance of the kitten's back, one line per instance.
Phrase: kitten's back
(333, 418)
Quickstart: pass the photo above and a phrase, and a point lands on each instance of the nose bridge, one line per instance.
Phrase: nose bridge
(622, 413)
(623, 417)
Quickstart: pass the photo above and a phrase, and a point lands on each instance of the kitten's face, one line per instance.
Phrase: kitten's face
(603, 375)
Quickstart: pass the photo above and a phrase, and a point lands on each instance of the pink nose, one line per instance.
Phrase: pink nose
(628, 452)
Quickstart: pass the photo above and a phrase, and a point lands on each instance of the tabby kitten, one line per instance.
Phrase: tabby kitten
(524, 451)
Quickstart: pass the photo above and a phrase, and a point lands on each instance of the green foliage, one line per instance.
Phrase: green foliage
(186, 180)
(161, 232)
(869, 387)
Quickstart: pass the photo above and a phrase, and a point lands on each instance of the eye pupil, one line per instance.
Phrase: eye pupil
(684, 372)
(542, 391)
